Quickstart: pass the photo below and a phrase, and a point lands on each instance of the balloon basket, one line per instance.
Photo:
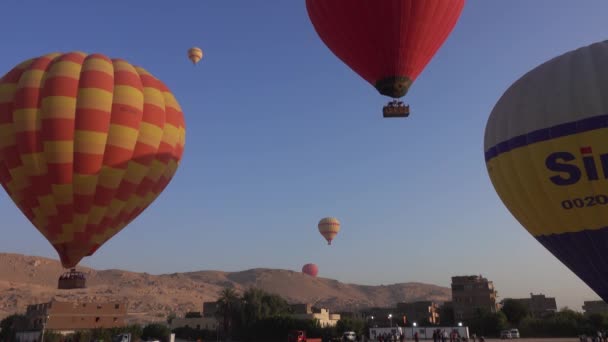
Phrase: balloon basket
(396, 109)
(72, 280)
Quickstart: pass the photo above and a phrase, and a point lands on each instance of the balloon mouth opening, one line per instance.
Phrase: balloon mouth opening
(394, 86)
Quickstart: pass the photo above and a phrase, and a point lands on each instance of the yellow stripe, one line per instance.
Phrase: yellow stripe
(65, 69)
(89, 142)
(59, 107)
(122, 136)
(31, 79)
(171, 101)
(34, 164)
(7, 135)
(523, 183)
(110, 177)
(7, 92)
(128, 95)
(94, 98)
(171, 135)
(62, 193)
(59, 152)
(135, 172)
(26, 120)
(149, 134)
(154, 97)
(98, 64)
(85, 184)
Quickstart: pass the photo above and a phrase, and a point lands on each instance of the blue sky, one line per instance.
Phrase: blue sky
(280, 134)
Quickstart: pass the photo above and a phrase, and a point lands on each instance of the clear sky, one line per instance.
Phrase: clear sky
(280, 134)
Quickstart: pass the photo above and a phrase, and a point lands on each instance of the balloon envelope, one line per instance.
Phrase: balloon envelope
(86, 144)
(310, 269)
(195, 54)
(547, 157)
(329, 227)
(386, 42)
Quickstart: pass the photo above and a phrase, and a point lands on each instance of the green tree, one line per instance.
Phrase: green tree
(350, 324)
(228, 306)
(515, 311)
(156, 331)
(487, 323)
(171, 317)
(10, 325)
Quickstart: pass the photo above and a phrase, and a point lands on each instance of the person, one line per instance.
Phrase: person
(416, 336)
(402, 337)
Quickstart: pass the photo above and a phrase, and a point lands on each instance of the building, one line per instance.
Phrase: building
(209, 309)
(306, 311)
(202, 323)
(422, 311)
(68, 317)
(538, 305)
(471, 294)
(594, 307)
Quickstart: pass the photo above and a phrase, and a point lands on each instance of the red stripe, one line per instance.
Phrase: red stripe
(128, 78)
(94, 120)
(103, 196)
(57, 129)
(117, 157)
(60, 86)
(96, 79)
(154, 115)
(125, 115)
(87, 164)
(27, 98)
(60, 173)
(28, 142)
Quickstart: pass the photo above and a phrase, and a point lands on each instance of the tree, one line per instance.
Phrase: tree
(10, 325)
(351, 324)
(156, 331)
(193, 314)
(515, 311)
(171, 317)
(227, 307)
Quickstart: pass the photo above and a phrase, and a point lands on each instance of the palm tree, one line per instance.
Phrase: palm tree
(227, 304)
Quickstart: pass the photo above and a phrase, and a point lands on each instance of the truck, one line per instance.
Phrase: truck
(300, 336)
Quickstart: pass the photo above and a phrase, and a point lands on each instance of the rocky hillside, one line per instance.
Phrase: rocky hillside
(26, 279)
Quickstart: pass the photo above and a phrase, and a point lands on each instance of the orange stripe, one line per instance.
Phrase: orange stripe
(154, 115)
(128, 78)
(71, 57)
(27, 97)
(60, 86)
(117, 157)
(96, 79)
(57, 129)
(94, 120)
(87, 164)
(28, 142)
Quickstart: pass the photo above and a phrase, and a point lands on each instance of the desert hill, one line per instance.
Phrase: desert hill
(28, 279)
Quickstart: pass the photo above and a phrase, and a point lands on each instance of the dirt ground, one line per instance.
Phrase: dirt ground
(573, 339)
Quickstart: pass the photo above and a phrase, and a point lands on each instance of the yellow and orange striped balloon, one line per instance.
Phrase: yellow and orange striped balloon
(329, 227)
(195, 54)
(86, 144)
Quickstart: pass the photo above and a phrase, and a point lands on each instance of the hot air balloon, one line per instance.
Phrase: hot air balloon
(389, 42)
(547, 157)
(310, 269)
(329, 228)
(195, 55)
(87, 143)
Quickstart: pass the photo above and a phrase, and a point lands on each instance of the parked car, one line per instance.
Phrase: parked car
(349, 336)
(505, 334)
(514, 333)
